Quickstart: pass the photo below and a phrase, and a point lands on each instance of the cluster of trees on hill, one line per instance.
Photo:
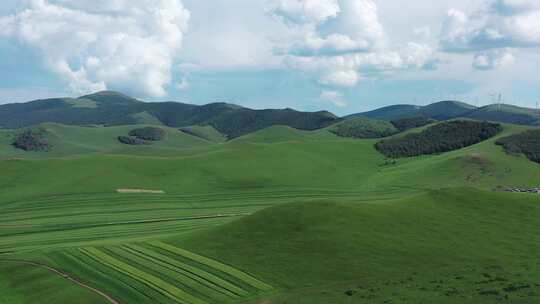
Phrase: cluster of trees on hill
(113, 109)
(440, 138)
(244, 121)
(143, 136)
(148, 133)
(131, 140)
(363, 128)
(405, 124)
(32, 140)
(527, 143)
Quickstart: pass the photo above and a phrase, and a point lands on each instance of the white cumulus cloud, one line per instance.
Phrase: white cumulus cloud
(334, 98)
(509, 23)
(305, 11)
(342, 42)
(493, 59)
(128, 45)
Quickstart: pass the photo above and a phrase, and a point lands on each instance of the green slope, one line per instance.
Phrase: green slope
(73, 140)
(205, 132)
(441, 110)
(184, 163)
(392, 112)
(277, 134)
(111, 108)
(507, 114)
(26, 284)
(446, 110)
(442, 247)
(53, 204)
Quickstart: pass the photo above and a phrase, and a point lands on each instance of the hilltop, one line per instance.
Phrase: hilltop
(230, 121)
(445, 110)
(114, 109)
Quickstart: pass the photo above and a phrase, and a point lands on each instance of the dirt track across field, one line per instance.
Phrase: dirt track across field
(65, 276)
(143, 191)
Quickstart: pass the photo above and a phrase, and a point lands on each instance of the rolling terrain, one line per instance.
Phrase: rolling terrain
(445, 110)
(277, 215)
(113, 109)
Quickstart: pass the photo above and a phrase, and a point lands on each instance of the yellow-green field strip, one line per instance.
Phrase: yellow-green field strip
(156, 283)
(201, 281)
(214, 264)
(194, 273)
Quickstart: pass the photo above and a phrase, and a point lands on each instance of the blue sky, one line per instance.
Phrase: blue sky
(344, 56)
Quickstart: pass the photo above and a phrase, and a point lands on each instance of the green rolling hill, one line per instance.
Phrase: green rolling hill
(111, 108)
(440, 111)
(392, 112)
(445, 110)
(278, 215)
(397, 251)
(507, 114)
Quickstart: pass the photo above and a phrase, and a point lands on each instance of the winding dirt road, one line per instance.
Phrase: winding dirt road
(65, 276)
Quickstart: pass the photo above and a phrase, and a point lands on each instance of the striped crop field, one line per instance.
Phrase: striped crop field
(157, 272)
(84, 220)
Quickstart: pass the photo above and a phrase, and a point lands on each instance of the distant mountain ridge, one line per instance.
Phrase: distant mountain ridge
(112, 108)
(450, 109)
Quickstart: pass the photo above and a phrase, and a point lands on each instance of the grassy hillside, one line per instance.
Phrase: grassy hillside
(205, 132)
(72, 140)
(184, 163)
(23, 283)
(507, 114)
(390, 112)
(440, 111)
(62, 208)
(113, 109)
(446, 246)
(282, 134)
(446, 110)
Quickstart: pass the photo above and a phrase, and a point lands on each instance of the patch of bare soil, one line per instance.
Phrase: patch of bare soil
(145, 191)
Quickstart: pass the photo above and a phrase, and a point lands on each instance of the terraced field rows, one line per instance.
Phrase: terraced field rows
(159, 273)
(110, 218)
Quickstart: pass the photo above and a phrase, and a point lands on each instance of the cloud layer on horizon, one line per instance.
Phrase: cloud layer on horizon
(335, 50)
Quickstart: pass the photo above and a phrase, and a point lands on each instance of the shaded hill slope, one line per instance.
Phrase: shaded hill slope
(110, 108)
(440, 110)
(445, 110)
(390, 112)
(507, 114)
(405, 250)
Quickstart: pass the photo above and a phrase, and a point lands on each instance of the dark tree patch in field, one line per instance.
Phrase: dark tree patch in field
(32, 140)
(363, 128)
(148, 133)
(131, 140)
(527, 143)
(440, 138)
(411, 123)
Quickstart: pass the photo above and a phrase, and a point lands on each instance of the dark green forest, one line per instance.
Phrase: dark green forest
(527, 143)
(148, 133)
(444, 137)
(32, 140)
